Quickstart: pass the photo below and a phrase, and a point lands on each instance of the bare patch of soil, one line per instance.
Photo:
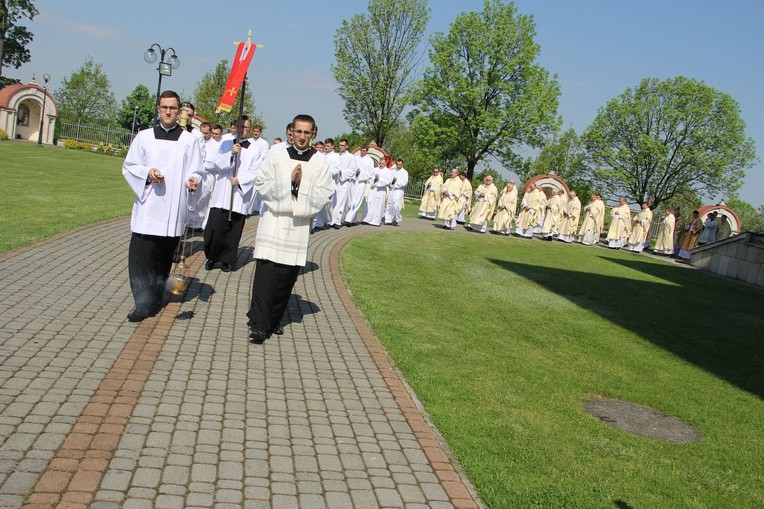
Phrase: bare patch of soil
(641, 420)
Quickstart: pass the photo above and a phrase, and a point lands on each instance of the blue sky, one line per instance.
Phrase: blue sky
(597, 48)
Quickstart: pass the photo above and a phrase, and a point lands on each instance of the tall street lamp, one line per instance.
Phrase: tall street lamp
(135, 113)
(164, 68)
(46, 79)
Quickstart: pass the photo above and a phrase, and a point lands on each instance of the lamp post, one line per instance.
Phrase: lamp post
(46, 79)
(164, 68)
(135, 113)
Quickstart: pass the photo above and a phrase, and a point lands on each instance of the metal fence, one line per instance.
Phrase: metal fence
(414, 190)
(115, 136)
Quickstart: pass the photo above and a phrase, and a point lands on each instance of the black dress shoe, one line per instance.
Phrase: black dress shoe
(208, 265)
(141, 313)
(336, 226)
(257, 337)
(226, 268)
(278, 330)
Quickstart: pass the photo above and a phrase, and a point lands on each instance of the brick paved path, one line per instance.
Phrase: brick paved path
(181, 411)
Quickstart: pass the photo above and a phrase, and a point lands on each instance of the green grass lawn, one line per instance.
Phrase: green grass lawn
(47, 190)
(503, 340)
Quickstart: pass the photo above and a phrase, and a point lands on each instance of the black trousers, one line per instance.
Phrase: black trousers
(222, 237)
(148, 265)
(271, 289)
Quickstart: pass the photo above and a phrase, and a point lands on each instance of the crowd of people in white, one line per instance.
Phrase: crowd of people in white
(232, 163)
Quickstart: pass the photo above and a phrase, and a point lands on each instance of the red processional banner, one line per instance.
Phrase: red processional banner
(244, 53)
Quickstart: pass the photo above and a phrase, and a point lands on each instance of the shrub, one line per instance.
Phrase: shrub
(3, 135)
(101, 148)
(78, 145)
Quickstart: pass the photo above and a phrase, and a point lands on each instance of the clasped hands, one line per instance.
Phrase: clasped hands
(297, 175)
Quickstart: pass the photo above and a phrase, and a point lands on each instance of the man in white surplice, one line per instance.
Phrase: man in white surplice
(294, 184)
(345, 171)
(363, 174)
(375, 199)
(232, 198)
(161, 167)
(397, 187)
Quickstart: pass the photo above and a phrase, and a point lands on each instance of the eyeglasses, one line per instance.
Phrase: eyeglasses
(168, 108)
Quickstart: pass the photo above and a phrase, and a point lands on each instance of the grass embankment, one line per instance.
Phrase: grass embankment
(47, 190)
(504, 339)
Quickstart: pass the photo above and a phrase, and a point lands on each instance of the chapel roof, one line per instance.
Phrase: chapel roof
(7, 93)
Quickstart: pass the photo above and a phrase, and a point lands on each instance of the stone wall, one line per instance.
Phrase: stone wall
(739, 257)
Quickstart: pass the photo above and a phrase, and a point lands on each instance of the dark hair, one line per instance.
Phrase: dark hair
(329, 141)
(188, 105)
(304, 118)
(170, 93)
(205, 124)
(218, 126)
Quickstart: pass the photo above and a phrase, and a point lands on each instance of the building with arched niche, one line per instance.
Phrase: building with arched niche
(549, 183)
(721, 208)
(21, 112)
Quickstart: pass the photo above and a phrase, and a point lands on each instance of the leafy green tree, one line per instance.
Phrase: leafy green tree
(751, 219)
(207, 96)
(438, 144)
(483, 88)
(666, 136)
(86, 95)
(400, 143)
(565, 156)
(684, 201)
(354, 139)
(418, 143)
(376, 57)
(14, 38)
(139, 105)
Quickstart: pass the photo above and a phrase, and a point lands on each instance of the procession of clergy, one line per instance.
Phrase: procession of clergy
(228, 196)
(187, 179)
(558, 216)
